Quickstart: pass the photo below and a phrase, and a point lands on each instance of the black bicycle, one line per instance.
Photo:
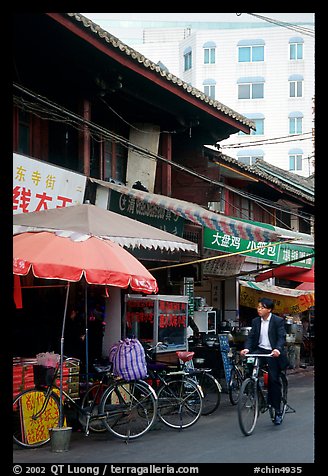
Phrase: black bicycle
(127, 409)
(180, 398)
(237, 375)
(203, 377)
(253, 395)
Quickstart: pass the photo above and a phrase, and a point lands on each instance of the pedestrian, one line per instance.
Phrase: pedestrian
(268, 336)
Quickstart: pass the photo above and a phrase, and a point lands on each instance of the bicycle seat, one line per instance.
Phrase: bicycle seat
(185, 356)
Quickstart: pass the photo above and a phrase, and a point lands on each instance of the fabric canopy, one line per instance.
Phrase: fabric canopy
(292, 273)
(100, 261)
(198, 214)
(286, 301)
(95, 221)
(305, 286)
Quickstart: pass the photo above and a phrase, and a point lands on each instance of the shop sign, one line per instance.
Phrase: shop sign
(171, 314)
(37, 185)
(224, 266)
(280, 253)
(38, 430)
(283, 304)
(145, 212)
(188, 290)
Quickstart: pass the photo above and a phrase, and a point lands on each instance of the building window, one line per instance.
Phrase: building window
(115, 161)
(258, 119)
(251, 88)
(295, 86)
(210, 91)
(209, 87)
(250, 156)
(187, 56)
(295, 123)
(250, 51)
(209, 52)
(295, 159)
(296, 48)
(241, 207)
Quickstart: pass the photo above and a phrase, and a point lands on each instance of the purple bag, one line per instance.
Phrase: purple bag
(129, 359)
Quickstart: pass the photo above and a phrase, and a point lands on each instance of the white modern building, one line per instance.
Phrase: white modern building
(265, 73)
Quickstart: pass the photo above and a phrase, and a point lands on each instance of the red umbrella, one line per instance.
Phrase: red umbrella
(101, 262)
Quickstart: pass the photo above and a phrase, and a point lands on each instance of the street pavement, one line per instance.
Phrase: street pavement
(214, 438)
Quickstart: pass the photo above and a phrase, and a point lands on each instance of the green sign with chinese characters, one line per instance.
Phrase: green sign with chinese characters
(146, 212)
(280, 253)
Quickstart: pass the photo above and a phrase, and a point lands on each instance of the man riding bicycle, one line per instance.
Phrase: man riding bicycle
(268, 336)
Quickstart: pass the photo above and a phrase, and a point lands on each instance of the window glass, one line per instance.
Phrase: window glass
(257, 53)
(210, 91)
(187, 61)
(209, 55)
(295, 89)
(296, 51)
(257, 91)
(295, 162)
(244, 54)
(244, 91)
(295, 125)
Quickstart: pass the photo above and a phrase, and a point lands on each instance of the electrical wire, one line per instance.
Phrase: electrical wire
(290, 26)
(272, 140)
(58, 113)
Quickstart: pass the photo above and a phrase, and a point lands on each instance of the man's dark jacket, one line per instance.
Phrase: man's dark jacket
(277, 337)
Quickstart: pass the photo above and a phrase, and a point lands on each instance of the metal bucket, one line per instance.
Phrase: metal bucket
(60, 438)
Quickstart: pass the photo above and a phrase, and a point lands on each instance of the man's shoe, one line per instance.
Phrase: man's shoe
(277, 419)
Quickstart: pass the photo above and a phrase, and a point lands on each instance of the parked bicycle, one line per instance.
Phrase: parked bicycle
(209, 384)
(237, 375)
(127, 409)
(180, 398)
(253, 394)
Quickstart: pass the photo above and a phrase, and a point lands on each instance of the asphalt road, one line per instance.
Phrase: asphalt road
(214, 438)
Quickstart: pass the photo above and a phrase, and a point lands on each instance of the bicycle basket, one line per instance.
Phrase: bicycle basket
(43, 376)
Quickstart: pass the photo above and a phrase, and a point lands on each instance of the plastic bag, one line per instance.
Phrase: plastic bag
(128, 359)
(47, 359)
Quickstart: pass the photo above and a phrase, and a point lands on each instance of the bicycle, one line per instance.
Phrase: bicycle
(180, 398)
(127, 409)
(237, 376)
(253, 395)
(210, 386)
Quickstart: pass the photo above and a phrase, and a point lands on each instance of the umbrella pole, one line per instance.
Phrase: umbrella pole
(86, 336)
(61, 414)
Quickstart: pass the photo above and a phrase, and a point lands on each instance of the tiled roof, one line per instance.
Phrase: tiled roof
(288, 181)
(163, 72)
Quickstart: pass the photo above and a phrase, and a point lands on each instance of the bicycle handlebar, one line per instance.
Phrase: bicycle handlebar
(258, 355)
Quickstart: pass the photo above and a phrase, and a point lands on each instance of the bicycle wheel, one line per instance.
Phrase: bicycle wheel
(130, 408)
(211, 390)
(179, 403)
(30, 431)
(248, 403)
(234, 386)
(90, 403)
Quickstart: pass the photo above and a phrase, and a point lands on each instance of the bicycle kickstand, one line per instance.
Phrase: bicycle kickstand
(87, 431)
(290, 409)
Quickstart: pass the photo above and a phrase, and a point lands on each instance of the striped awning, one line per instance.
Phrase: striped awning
(197, 214)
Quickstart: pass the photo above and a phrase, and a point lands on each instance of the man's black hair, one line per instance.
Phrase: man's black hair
(267, 303)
